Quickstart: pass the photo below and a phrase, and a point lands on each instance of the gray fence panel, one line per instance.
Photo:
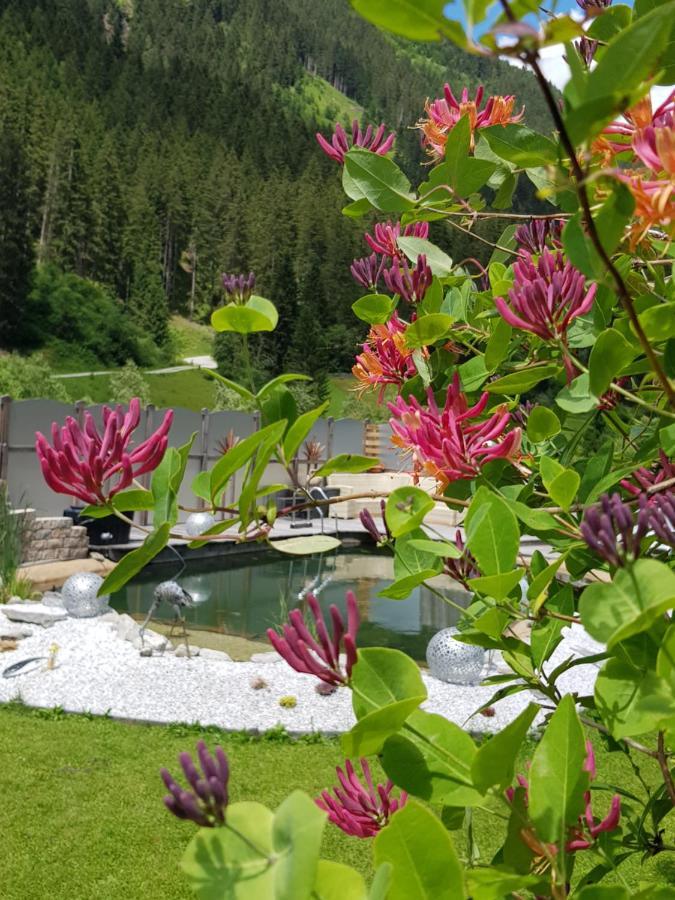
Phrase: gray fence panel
(348, 435)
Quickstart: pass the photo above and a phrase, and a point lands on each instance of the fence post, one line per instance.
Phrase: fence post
(330, 428)
(204, 448)
(147, 431)
(5, 411)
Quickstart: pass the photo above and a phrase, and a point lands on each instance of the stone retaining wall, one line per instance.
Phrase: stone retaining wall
(54, 537)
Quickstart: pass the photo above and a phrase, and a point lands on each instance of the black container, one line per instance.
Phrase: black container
(108, 530)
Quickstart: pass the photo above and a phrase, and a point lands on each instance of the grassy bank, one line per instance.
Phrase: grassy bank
(83, 818)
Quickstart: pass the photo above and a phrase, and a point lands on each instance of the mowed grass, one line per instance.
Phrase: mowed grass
(83, 817)
(191, 389)
(191, 338)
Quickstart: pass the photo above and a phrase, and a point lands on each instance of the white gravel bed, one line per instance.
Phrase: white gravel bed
(97, 672)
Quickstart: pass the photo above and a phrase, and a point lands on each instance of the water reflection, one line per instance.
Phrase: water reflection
(245, 595)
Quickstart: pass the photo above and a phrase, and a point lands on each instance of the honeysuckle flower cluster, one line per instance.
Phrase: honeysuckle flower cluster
(384, 240)
(385, 358)
(83, 463)
(206, 803)
(582, 835)
(368, 270)
(410, 284)
(539, 234)
(339, 145)
(452, 443)
(238, 288)
(320, 655)
(547, 295)
(370, 525)
(662, 517)
(463, 568)
(360, 810)
(613, 531)
(445, 112)
(643, 479)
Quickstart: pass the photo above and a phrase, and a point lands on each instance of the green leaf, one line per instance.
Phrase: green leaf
(133, 562)
(379, 180)
(379, 889)
(296, 838)
(562, 484)
(494, 763)
(233, 862)
(133, 500)
(357, 209)
(492, 533)
(667, 439)
(370, 732)
(266, 308)
(383, 676)
(428, 329)
(436, 548)
(412, 554)
(278, 404)
(346, 462)
(610, 354)
(277, 382)
(305, 546)
(576, 397)
(403, 587)
(431, 759)
(422, 856)
(628, 605)
(166, 482)
(658, 322)
(406, 508)
(497, 586)
(335, 881)
(242, 319)
(542, 424)
(537, 590)
(438, 261)
(240, 454)
(232, 385)
(536, 519)
(418, 20)
(375, 309)
(494, 883)
(497, 348)
(631, 701)
(524, 380)
(632, 56)
(299, 430)
(518, 144)
(557, 778)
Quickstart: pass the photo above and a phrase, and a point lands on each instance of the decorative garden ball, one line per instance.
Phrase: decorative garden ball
(198, 523)
(450, 660)
(79, 595)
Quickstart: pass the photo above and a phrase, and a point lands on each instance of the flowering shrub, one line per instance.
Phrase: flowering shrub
(576, 305)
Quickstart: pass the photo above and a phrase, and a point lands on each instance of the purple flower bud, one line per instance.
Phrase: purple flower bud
(206, 803)
(409, 284)
(538, 234)
(238, 288)
(367, 271)
(340, 145)
(613, 532)
(360, 810)
(369, 524)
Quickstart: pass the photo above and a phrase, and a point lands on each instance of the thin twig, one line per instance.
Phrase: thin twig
(665, 768)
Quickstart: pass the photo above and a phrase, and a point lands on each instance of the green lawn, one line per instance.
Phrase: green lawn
(83, 818)
(191, 338)
(191, 389)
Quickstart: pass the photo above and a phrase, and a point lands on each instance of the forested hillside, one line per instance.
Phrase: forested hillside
(149, 145)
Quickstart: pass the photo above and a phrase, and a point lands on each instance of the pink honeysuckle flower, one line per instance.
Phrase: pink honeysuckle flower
(410, 284)
(640, 116)
(367, 271)
(643, 479)
(447, 444)
(339, 144)
(539, 234)
(654, 205)
(384, 239)
(320, 656)
(385, 358)
(546, 297)
(95, 467)
(444, 113)
(583, 834)
(360, 811)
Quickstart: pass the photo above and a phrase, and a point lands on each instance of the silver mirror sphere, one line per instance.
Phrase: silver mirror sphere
(198, 523)
(450, 660)
(79, 595)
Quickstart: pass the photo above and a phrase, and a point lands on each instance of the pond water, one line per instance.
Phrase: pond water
(246, 594)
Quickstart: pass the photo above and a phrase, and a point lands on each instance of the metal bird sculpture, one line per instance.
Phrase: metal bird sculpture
(171, 593)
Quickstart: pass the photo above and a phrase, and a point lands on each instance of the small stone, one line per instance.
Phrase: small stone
(127, 629)
(9, 632)
(53, 598)
(112, 616)
(146, 651)
(181, 651)
(269, 657)
(150, 639)
(35, 613)
(217, 655)
(258, 684)
(323, 689)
